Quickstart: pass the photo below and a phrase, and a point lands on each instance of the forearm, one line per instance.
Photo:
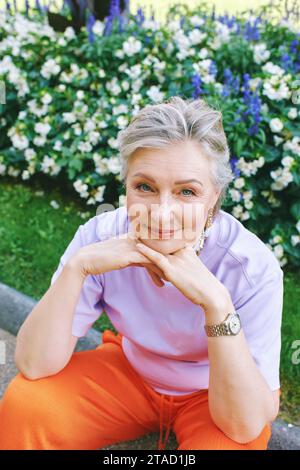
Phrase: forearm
(240, 401)
(43, 341)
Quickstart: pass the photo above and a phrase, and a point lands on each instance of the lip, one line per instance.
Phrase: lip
(161, 231)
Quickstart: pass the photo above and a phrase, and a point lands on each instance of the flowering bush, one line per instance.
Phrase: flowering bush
(68, 95)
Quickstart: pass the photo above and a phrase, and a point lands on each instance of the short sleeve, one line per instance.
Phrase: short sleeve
(261, 318)
(89, 306)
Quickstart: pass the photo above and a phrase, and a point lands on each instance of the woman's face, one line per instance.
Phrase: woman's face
(168, 195)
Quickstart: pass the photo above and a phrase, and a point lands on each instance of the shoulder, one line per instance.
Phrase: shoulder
(105, 225)
(245, 252)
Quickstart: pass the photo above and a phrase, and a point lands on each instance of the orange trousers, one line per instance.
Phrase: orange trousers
(98, 399)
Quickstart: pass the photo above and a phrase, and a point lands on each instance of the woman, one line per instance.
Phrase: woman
(196, 299)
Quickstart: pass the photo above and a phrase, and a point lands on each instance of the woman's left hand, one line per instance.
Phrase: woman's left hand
(187, 272)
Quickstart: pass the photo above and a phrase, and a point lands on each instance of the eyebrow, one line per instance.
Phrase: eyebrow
(192, 180)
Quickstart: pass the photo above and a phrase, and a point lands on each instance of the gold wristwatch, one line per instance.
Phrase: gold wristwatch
(231, 326)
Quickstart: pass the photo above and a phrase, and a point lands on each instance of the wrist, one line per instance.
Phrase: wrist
(75, 265)
(217, 311)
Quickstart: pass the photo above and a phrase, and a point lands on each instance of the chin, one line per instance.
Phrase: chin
(164, 247)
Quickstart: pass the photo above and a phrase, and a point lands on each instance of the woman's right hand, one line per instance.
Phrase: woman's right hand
(111, 254)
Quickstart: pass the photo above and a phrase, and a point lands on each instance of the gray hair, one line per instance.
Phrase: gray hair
(177, 120)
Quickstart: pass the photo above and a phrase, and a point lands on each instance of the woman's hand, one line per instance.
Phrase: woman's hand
(187, 272)
(114, 253)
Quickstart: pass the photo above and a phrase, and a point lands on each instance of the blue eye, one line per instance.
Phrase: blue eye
(139, 186)
(143, 184)
(193, 194)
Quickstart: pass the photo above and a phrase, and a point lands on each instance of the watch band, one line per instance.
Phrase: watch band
(217, 330)
(222, 329)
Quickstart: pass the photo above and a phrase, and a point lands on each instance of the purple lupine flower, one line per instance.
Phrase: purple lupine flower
(140, 17)
(213, 68)
(38, 5)
(90, 24)
(231, 84)
(26, 7)
(8, 7)
(294, 46)
(251, 31)
(233, 163)
(286, 62)
(196, 82)
(228, 21)
(253, 103)
(182, 21)
(114, 8)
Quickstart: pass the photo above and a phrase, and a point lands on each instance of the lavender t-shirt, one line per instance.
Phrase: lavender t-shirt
(163, 331)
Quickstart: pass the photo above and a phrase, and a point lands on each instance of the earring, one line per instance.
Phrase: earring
(199, 244)
(209, 218)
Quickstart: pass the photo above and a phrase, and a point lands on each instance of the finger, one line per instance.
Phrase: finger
(159, 259)
(156, 279)
(139, 258)
(156, 270)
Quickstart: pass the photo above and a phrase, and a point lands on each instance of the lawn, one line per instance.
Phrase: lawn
(33, 236)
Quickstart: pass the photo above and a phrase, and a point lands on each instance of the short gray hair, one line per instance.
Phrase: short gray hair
(178, 120)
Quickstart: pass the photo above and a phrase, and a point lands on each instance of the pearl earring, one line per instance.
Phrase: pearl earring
(199, 244)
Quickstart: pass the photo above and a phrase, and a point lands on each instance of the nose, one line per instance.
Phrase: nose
(163, 216)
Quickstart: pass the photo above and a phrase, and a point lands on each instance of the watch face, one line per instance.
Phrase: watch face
(234, 324)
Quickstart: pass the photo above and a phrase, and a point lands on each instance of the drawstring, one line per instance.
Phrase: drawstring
(161, 445)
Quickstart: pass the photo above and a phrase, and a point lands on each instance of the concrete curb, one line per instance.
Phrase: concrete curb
(15, 306)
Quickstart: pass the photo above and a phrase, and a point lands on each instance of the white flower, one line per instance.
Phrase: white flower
(277, 239)
(292, 114)
(273, 69)
(46, 99)
(239, 183)
(282, 177)
(276, 125)
(42, 128)
(295, 239)
(54, 204)
(2, 169)
(196, 36)
(235, 195)
(278, 251)
(197, 20)
(19, 141)
(293, 145)
(69, 33)
(84, 147)
(260, 53)
(298, 226)
(287, 161)
(39, 141)
(69, 117)
(25, 175)
(122, 121)
(57, 145)
(132, 46)
(50, 68)
(155, 94)
(29, 154)
(80, 94)
(81, 188)
(98, 27)
(99, 194)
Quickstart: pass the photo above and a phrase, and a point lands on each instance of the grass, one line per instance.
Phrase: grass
(33, 236)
